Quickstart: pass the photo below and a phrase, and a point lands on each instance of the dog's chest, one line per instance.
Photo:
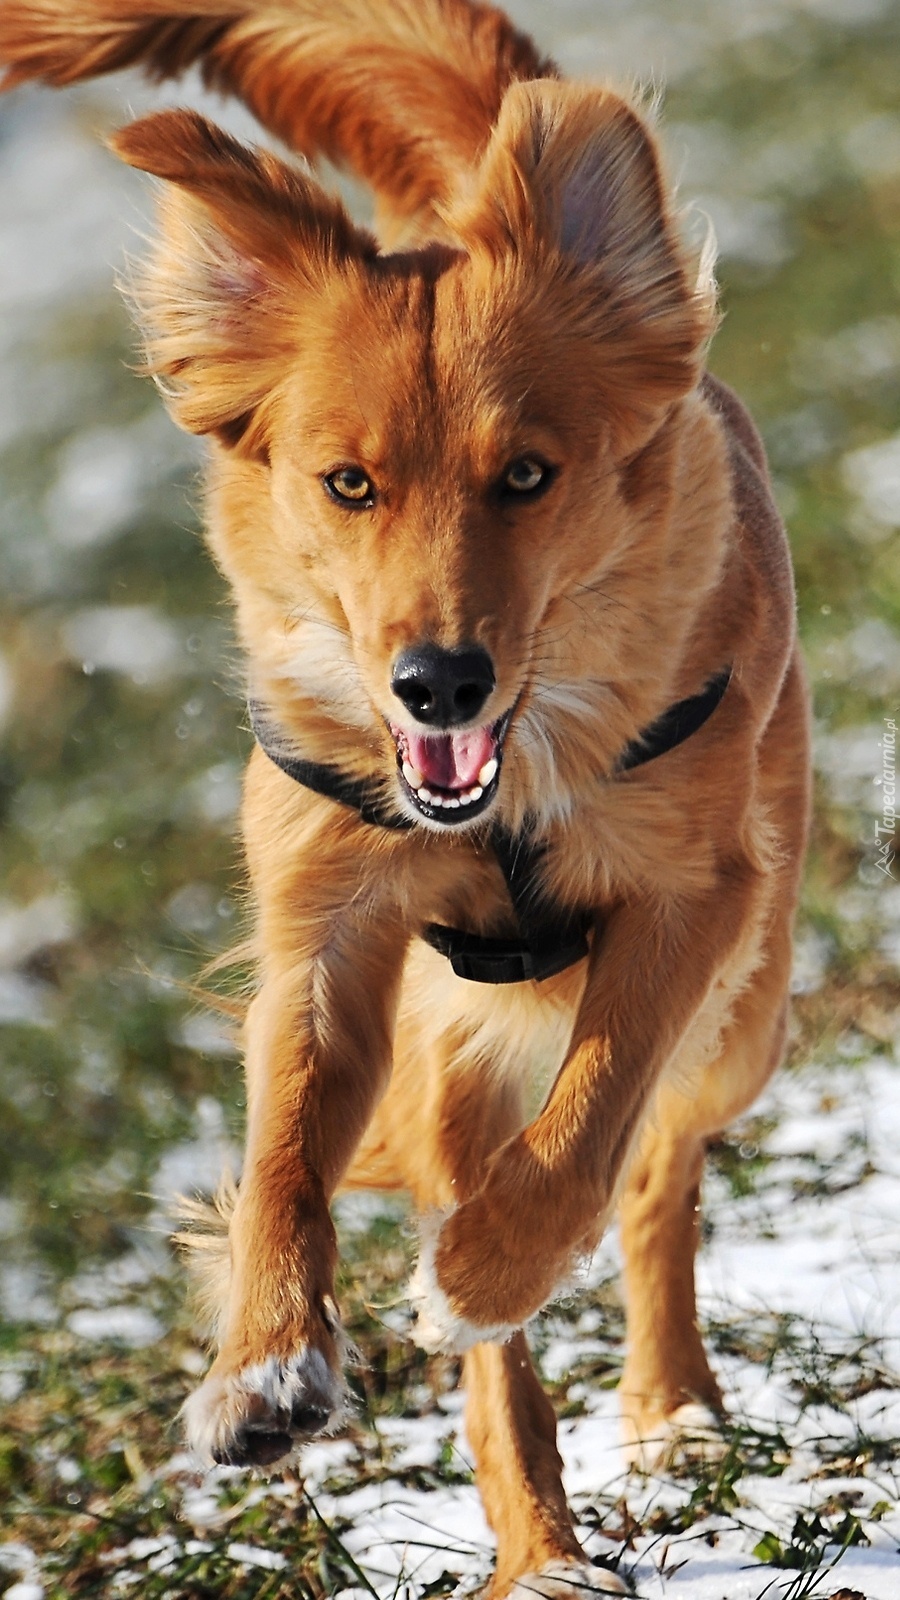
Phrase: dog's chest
(519, 1030)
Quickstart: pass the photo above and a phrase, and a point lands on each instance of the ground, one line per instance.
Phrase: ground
(121, 741)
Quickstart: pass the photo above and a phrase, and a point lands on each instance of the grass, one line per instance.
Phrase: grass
(93, 1480)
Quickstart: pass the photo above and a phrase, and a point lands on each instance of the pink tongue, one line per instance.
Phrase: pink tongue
(451, 760)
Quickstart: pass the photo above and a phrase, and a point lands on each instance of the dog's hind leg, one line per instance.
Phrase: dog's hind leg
(670, 1397)
(668, 1389)
(512, 1431)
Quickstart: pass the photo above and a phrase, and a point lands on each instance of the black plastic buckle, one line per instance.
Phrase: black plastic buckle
(483, 960)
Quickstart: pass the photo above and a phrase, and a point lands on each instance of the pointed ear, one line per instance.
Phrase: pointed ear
(572, 178)
(243, 237)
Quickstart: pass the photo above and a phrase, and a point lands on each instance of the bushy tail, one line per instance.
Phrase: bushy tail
(403, 92)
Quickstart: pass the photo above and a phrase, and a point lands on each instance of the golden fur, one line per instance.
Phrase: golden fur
(544, 306)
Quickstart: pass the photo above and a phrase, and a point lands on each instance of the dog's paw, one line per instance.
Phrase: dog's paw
(693, 1432)
(567, 1580)
(437, 1327)
(255, 1417)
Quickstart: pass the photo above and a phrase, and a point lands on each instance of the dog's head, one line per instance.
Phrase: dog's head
(448, 503)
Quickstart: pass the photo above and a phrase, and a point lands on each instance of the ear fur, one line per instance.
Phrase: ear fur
(242, 236)
(572, 176)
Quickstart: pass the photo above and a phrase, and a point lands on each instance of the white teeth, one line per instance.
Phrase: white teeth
(449, 802)
(466, 798)
(488, 771)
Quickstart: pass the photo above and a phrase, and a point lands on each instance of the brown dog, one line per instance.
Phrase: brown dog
(532, 792)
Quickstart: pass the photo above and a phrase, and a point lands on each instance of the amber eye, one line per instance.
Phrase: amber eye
(525, 475)
(350, 485)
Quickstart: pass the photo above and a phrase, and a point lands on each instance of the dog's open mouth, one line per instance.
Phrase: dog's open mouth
(451, 777)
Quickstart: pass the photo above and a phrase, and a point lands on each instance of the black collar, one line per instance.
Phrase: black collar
(550, 940)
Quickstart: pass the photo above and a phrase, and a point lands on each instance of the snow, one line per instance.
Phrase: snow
(805, 1259)
(873, 474)
(828, 1258)
(129, 1325)
(104, 477)
(251, 1555)
(136, 640)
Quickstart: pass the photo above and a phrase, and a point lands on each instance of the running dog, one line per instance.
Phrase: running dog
(528, 806)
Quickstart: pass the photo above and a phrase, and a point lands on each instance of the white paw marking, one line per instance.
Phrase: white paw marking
(266, 1399)
(567, 1580)
(438, 1329)
(692, 1432)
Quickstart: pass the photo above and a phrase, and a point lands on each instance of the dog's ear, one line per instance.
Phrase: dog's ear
(243, 239)
(572, 173)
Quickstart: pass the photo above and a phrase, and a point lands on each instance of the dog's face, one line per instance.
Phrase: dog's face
(435, 492)
(448, 449)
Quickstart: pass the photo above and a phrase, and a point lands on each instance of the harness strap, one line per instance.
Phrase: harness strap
(357, 793)
(675, 724)
(550, 940)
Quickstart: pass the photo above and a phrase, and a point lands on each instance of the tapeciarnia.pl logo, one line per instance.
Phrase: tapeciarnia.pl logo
(886, 829)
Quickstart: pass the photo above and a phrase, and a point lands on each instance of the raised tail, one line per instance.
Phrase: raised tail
(402, 92)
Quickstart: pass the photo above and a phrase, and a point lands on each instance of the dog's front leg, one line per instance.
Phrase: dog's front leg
(501, 1254)
(318, 1058)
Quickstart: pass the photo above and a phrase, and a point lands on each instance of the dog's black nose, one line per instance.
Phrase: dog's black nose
(443, 688)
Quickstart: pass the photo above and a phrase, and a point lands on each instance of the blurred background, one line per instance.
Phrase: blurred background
(122, 728)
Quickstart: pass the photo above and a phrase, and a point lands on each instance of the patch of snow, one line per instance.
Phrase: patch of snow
(104, 476)
(747, 230)
(852, 359)
(813, 952)
(872, 474)
(53, 247)
(24, 1295)
(16, 1557)
(11, 1384)
(24, 930)
(192, 908)
(197, 1165)
(136, 641)
(216, 794)
(356, 1210)
(836, 1264)
(105, 1285)
(129, 1325)
(208, 1034)
(251, 1555)
(25, 1000)
(143, 1549)
(873, 649)
(873, 146)
(798, 437)
(200, 1508)
(850, 760)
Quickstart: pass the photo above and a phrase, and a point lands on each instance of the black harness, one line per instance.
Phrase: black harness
(549, 940)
